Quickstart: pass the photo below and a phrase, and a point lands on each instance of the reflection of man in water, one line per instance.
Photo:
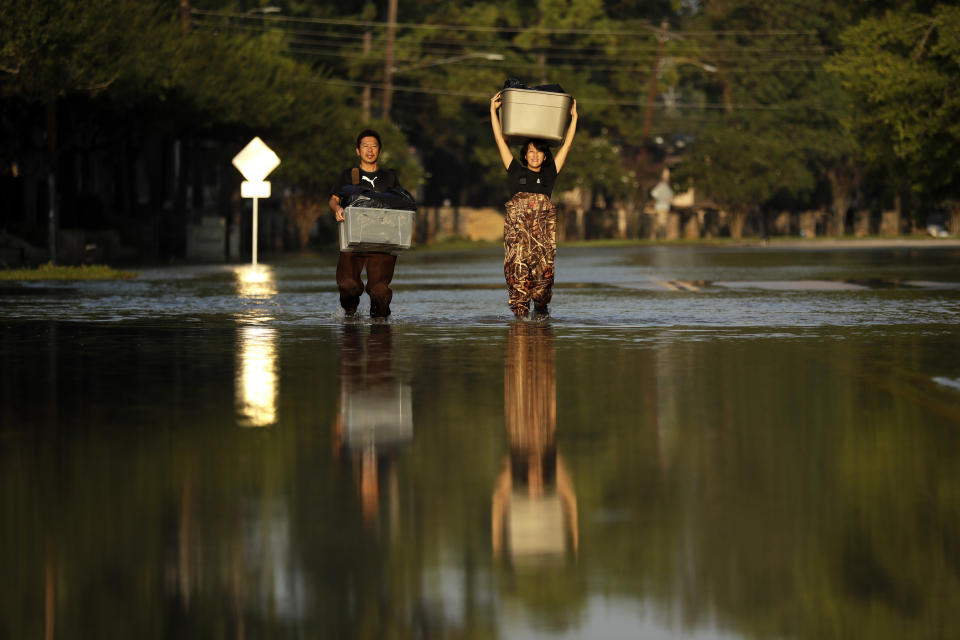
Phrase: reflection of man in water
(534, 505)
(374, 416)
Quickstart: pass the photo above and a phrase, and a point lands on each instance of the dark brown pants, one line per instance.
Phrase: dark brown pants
(379, 274)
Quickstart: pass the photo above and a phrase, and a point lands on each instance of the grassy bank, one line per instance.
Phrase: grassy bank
(56, 272)
(916, 240)
(457, 244)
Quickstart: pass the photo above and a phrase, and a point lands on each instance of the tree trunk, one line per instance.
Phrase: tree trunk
(53, 213)
(32, 172)
(235, 222)
(807, 223)
(124, 177)
(738, 219)
(890, 220)
(953, 219)
(862, 223)
(586, 203)
(177, 221)
(224, 209)
(843, 180)
(300, 213)
(185, 16)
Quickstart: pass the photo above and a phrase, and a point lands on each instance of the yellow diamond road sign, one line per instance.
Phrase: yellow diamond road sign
(256, 161)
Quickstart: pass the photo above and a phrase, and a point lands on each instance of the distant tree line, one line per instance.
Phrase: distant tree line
(124, 114)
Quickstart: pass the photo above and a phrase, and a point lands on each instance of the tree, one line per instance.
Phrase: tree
(901, 70)
(777, 137)
(52, 50)
(313, 122)
(131, 70)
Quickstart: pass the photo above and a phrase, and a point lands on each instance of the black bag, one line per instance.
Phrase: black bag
(358, 194)
(363, 196)
(513, 83)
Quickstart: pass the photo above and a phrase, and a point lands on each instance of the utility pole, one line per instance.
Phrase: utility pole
(652, 93)
(388, 69)
(366, 87)
(185, 16)
(52, 217)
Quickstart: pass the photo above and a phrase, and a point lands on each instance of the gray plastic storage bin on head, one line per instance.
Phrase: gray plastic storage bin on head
(367, 229)
(527, 113)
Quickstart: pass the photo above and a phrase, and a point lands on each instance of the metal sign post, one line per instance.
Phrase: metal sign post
(255, 162)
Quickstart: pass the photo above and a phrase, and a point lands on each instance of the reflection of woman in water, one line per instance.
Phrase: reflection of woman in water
(534, 504)
(374, 415)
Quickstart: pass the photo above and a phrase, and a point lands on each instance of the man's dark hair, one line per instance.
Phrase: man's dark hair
(539, 145)
(369, 133)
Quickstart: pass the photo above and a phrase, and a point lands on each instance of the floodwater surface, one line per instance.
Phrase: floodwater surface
(696, 443)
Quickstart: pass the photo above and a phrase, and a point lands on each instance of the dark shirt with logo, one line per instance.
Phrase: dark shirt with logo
(523, 179)
(379, 180)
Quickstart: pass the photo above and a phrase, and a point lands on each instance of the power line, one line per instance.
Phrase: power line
(591, 101)
(443, 45)
(568, 61)
(714, 56)
(647, 29)
(312, 47)
(563, 63)
(559, 65)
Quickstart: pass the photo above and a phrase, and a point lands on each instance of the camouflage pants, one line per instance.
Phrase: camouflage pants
(530, 245)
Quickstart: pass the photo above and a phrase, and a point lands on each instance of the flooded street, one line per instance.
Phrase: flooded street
(709, 443)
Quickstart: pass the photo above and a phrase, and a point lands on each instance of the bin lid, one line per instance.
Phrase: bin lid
(539, 98)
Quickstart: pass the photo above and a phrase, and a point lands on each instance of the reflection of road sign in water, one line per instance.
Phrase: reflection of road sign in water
(255, 162)
(257, 377)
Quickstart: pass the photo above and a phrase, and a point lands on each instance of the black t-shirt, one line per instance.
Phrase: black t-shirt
(379, 180)
(523, 179)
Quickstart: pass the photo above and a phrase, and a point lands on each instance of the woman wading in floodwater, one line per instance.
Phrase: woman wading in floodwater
(530, 226)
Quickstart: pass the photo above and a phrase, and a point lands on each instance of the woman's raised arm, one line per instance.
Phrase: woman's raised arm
(561, 156)
(505, 154)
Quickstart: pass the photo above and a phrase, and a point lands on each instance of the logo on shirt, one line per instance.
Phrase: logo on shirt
(371, 181)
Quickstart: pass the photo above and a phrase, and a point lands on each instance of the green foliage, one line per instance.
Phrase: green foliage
(216, 83)
(779, 129)
(746, 80)
(901, 70)
(742, 165)
(56, 48)
(54, 272)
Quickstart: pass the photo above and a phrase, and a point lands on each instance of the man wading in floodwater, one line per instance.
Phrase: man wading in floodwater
(379, 265)
(530, 226)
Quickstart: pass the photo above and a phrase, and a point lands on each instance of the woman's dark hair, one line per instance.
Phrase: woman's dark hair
(539, 145)
(369, 133)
